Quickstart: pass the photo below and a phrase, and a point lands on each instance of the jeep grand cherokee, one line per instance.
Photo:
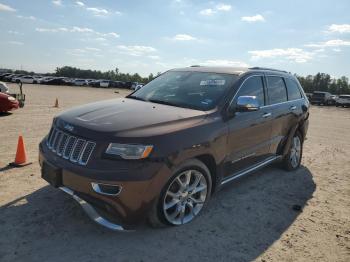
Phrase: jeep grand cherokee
(162, 151)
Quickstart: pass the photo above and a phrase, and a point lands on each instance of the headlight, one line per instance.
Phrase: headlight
(10, 98)
(129, 151)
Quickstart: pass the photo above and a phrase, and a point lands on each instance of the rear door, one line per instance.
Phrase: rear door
(249, 132)
(286, 107)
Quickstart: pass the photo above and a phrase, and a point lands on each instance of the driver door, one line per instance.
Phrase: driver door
(249, 132)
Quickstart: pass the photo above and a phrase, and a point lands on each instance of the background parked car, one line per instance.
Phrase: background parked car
(343, 100)
(16, 78)
(80, 82)
(321, 98)
(2, 76)
(3, 88)
(8, 103)
(55, 81)
(28, 80)
(105, 83)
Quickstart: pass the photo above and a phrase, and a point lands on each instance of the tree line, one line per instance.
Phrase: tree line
(324, 82)
(310, 83)
(115, 75)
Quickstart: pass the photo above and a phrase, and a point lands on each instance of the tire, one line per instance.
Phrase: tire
(295, 153)
(179, 205)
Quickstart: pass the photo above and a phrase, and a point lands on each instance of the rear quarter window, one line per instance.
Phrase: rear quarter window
(292, 89)
(276, 90)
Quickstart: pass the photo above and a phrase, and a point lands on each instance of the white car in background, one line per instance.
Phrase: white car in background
(80, 82)
(343, 100)
(28, 80)
(105, 83)
(3, 88)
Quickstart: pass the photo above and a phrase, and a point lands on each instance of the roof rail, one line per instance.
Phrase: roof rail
(195, 66)
(266, 68)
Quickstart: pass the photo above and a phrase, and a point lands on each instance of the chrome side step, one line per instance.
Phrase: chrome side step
(251, 169)
(92, 213)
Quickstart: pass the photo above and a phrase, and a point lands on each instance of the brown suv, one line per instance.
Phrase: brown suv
(161, 152)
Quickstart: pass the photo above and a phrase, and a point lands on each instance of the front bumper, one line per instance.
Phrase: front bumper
(92, 213)
(129, 207)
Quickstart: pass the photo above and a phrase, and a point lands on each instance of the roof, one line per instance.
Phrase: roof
(226, 70)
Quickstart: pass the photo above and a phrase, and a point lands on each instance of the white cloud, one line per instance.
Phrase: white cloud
(15, 43)
(112, 34)
(63, 29)
(330, 43)
(253, 19)
(154, 57)
(27, 17)
(183, 37)
(335, 28)
(57, 2)
(97, 11)
(81, 29)
(223, 62)
(216, 9)
(136, 50)
(223, 7)
(6, 8)
(297, 55)
(79, 3)
(92, 49)
(207, 12)
(13, 32)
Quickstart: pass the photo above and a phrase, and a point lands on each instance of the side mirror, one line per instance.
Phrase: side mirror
(247, 104)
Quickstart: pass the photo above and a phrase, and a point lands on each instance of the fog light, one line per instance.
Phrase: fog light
(106, 189)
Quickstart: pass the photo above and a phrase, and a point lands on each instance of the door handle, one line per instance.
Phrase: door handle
(266, 115)
(293, 107)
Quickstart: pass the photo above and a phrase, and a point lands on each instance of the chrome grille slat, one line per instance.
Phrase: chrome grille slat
(84, 157)
(79, 145)
(74, 149)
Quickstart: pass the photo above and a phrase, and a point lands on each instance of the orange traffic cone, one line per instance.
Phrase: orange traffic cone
(56, 103)
(21, 155)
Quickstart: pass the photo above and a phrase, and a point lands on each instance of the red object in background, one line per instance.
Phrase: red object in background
(7, 103)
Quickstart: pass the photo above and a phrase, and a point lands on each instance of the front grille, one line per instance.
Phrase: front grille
(72, 148)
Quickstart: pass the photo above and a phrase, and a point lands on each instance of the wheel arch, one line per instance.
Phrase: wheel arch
(210, 163)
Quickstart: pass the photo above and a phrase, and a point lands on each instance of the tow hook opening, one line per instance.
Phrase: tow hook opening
(106, 189)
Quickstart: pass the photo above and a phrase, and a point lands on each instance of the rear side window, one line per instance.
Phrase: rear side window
(293, 89)
(276, 89)
(253, 86)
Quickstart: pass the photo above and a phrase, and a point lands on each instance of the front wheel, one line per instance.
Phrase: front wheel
(184, 196)
(293, 159)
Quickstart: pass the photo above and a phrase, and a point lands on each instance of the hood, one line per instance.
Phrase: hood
(129, 117)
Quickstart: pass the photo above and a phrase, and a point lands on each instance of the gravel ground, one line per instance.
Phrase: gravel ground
(250, 220)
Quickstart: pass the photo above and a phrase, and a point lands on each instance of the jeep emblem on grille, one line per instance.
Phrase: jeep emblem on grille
(68, 127)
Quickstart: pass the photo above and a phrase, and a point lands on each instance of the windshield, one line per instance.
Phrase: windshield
(195, 90)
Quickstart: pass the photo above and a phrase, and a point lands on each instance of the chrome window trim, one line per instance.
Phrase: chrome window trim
(239, 88)
(266, 87)
(283, 102)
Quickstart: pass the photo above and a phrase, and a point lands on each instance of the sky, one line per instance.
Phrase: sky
(303, 37)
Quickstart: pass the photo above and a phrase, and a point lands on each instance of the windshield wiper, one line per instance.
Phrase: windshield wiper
(163, 102)
(136, 98)
(169, 103)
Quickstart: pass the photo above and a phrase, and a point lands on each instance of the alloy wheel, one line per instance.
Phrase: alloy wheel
(295, 153)
(185, 197)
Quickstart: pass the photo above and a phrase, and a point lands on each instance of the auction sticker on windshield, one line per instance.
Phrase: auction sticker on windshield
(213, 82)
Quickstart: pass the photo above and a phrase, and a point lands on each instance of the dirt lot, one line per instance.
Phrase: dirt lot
(250, 220)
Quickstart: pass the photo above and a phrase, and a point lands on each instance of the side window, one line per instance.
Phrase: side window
(293, 89)
(276, 89)
(253, 86)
